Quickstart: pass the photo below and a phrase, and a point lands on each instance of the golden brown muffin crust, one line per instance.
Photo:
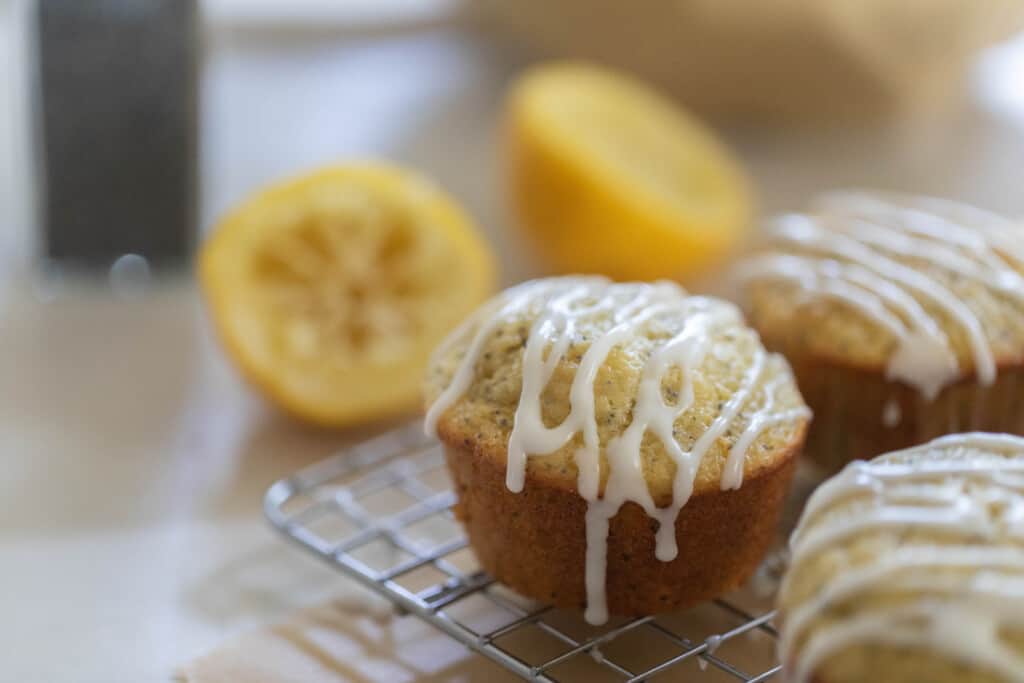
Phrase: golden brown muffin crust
(535, 540)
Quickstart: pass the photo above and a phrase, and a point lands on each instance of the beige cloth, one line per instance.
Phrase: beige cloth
(357, 638)
(778, 59)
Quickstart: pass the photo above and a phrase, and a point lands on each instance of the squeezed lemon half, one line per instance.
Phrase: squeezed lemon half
(607, 176)
(330, 291)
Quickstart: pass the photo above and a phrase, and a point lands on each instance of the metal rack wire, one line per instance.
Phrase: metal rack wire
(381, 513)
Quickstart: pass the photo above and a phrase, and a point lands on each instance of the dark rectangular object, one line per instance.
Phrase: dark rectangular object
(117, 129)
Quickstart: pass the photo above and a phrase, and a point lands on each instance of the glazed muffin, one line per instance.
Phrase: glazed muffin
(910, 568)
(903, 319)
(624, 447)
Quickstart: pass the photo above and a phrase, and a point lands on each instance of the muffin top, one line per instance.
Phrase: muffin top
(925, 290)
(911, 568)
(667, 393)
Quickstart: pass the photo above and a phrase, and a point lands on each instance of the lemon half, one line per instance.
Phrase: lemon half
(608, 176)
(330, 291)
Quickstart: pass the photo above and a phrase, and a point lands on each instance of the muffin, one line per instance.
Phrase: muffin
(903, 319)
(910, 568)
(623, 447)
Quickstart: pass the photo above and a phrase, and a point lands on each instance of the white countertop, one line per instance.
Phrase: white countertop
(134, 461)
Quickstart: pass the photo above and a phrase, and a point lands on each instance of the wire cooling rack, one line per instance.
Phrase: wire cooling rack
(381, 513)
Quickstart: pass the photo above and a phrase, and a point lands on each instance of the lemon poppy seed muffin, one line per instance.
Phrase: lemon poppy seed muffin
(903, 319)
(623, 447)
(910, 568)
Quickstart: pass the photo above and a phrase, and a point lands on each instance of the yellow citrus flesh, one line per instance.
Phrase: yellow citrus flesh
(608, 176)
(330, 291)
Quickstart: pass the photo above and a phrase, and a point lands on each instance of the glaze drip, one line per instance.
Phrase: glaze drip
(852, 251)
(558, 309)
(955, 579)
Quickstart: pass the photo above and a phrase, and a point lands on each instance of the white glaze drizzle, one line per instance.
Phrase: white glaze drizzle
(854, 244)
(562, 304)
(923, 357)
(487, 320)
(732, 474)
(943, 224)
(967, 221)
(803, 231)
(976, 505)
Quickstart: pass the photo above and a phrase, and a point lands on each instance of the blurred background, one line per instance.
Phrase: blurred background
(134, 458)
(922, 96)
